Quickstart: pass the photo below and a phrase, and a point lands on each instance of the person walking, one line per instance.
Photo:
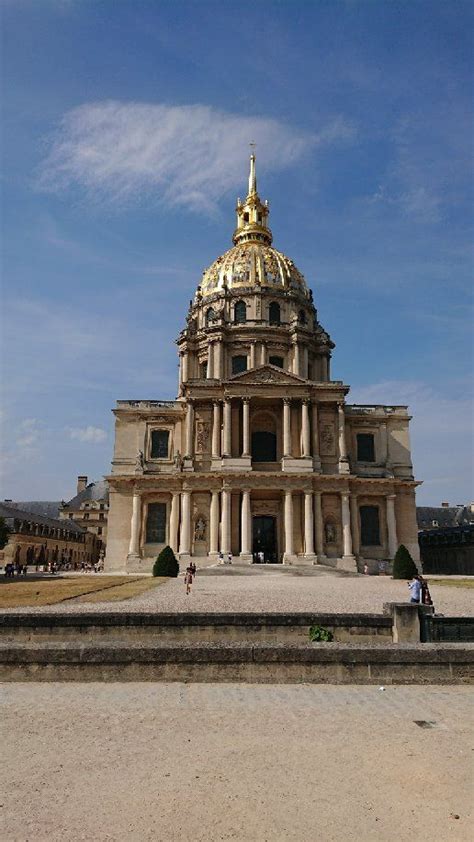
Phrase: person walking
(221, 557)
(415, 589)
(229, 558)
(188, 580)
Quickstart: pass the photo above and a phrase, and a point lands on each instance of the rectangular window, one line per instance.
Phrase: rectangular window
(156, 523)
(239, 364)
(159, 444)
(99, 531)
(365, 447)
(101, 516)
(369, 526)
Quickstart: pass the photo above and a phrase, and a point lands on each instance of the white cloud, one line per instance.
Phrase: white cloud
(94, 435)
(185, 155)
(28, 433)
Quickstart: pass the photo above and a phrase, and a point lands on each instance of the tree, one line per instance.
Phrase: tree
(4, 533)
(403, 565)
(166, 564)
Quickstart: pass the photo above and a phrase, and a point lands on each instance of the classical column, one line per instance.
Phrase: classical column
(286, 427)
(252, 355)
(189, 431)
(225, 526)
(227, 427)
(296, 359)
(210, 361)
(288, 525)
(325, 368)
(263, 354)
(346, 526)
(184, 367)
(343, 460)
(245, 525)
(216, 430)
(214, 524)
(134, 546)
(218, 360)
(355, 525)
(305, 432)
(174, 521)
(308, 524)
(185, 532)
(245, 427)
(391, 526)
(318, 513)
(305, 362)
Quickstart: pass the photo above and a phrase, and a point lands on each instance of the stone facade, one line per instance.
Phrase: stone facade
(260, 455)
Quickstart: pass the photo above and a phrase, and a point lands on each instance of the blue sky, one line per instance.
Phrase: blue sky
(125, 145)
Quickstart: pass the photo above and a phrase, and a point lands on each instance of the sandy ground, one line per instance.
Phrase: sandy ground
(241, 762)
(272, 590)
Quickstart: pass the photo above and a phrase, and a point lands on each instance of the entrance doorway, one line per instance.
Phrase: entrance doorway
(264, 545)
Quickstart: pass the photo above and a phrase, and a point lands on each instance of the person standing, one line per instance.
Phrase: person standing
(229, 558)
(425, 592)
(188, 580)
(415, 589)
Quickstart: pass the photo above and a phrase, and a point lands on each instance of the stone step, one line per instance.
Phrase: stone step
(192, 627)
(322, 663)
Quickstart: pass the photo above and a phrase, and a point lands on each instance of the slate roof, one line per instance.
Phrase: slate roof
(13, 512)
(444, 515)
(94, 491)
(46, 508)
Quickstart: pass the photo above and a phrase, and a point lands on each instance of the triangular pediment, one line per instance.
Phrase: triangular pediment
(268, 374)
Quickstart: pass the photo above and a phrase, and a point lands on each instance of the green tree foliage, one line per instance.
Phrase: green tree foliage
(166, 564)
(4, 533)
(403, 565)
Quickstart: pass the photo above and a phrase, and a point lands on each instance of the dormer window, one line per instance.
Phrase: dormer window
(210, 316)
(246, 217)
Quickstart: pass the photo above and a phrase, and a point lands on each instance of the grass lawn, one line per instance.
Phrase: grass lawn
(21, 593)
(452, 583)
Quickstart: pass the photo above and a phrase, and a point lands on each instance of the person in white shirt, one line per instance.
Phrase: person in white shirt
(415, 589)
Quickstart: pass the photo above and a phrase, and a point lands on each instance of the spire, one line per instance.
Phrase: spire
(252, 214)
(252, 176)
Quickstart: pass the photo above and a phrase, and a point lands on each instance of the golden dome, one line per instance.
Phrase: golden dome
(252, 261)
(251, 264)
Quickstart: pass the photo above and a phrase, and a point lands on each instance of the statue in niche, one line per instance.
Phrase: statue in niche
(330, 532)
(200, 529)
(139, 462)
(178, 461)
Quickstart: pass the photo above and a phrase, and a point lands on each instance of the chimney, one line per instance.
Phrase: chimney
(81, 484)
(445, 505)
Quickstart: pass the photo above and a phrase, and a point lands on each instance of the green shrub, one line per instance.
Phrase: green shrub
(403, 565)
(166, 564)
(318, 634)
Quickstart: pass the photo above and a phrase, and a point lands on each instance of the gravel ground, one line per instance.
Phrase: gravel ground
(275, 591)
(253, 763)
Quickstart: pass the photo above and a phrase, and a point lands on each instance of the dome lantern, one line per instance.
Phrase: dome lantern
(252, 214)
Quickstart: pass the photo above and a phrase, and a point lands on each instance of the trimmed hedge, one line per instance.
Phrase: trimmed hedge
(403, 565)
(166, 564)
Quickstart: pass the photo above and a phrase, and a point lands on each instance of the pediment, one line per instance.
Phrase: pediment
(268, 374)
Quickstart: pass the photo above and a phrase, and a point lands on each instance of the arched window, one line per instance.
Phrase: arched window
(274, 313)
(240, 312)
(239, 364)
(210, 316)
(302, 317)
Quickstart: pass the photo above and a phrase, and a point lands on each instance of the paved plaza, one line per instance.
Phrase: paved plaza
(241, 762)
(258, 589)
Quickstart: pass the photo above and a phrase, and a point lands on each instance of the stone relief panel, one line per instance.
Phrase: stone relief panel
(327, 438)
(203, 432)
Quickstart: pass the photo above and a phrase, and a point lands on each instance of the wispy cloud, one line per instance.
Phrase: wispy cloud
(28, 433)
(186, 155)
(90, 434)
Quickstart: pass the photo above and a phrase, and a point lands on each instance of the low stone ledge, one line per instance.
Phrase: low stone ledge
(10, 621)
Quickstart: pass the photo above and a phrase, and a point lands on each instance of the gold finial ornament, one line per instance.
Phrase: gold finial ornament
(252, 214)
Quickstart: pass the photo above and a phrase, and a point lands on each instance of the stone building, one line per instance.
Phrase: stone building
(260, 455)
(38, 539)
(89, 508)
